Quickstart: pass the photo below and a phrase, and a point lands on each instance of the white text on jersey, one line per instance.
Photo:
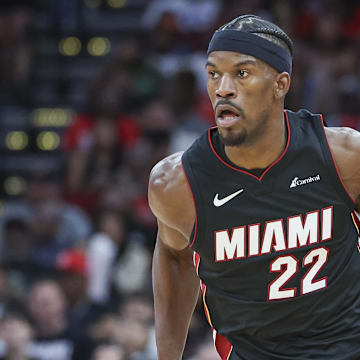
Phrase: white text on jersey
(244, 241)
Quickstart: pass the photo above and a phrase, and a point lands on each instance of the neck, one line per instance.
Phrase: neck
(265, 150)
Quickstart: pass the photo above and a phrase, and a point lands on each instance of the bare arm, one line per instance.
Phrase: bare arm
(176, 288)
(176, 285)
(345, 146)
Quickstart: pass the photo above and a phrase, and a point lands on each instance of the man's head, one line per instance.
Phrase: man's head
(47, 306)
(249, 66)
(73, 276)
(16, 332)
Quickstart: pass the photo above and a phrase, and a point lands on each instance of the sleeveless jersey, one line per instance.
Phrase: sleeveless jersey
(277, 254)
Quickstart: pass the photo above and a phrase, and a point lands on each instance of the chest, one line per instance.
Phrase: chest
(290, 209)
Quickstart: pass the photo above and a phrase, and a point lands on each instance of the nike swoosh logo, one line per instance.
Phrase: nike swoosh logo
(219, 202)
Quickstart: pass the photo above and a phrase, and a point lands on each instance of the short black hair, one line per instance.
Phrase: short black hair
(263, 28)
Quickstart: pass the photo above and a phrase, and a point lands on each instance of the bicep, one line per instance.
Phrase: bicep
(171, 237)
(345, 146)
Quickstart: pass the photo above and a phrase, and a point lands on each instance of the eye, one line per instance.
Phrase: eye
(243, 73)
(213, 74)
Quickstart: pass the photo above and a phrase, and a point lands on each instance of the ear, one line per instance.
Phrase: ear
(282, 85)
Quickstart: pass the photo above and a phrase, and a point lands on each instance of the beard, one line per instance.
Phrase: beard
(233, 138)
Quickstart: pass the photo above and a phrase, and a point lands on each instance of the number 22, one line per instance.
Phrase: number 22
(316, 257)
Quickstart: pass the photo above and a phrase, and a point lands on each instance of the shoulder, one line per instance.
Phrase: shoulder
(344, 141)
(169, 195)
(345, 147)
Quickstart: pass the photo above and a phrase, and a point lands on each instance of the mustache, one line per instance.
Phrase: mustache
(228, 102)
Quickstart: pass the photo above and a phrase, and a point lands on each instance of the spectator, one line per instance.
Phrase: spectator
(53, 337)
(102, 253)
(95, 145)
(16, 52)
(131, 328)
(17, 242)
(117, 260)
(103, 328)
(73, 277)
(133, 337)
(55, 224)
(108, 352)
(191, 16)
(139, 308)
(12, 290)
(16, 333)
(45, 245)
(184, 100)
(94, 166)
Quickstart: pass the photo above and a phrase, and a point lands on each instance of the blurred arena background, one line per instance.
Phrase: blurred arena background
(92, 94)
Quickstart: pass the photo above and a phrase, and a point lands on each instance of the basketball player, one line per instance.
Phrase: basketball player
(264, 205)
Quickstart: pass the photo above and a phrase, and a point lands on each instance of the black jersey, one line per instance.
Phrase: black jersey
(277, 252)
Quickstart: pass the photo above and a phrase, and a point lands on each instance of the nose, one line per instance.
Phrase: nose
(226, 88)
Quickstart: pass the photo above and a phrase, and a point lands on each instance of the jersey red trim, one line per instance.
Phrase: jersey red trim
(268, 168)
(206, 309)
(356, 221)
(335, 165)
(196, 262)
(222, 346)
(194, 233)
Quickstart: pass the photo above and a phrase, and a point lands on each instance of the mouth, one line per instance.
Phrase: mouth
(226, 116)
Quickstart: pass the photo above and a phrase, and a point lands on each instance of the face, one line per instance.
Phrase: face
(46, 302)
(113, 225)
(241, 89)
(108, 352)
(138, 310)
(74, 286)
(16, 332)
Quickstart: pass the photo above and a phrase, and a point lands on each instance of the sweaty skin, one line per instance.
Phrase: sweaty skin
(259, 91)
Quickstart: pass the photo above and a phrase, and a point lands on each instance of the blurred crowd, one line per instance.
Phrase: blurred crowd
(76, 247)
